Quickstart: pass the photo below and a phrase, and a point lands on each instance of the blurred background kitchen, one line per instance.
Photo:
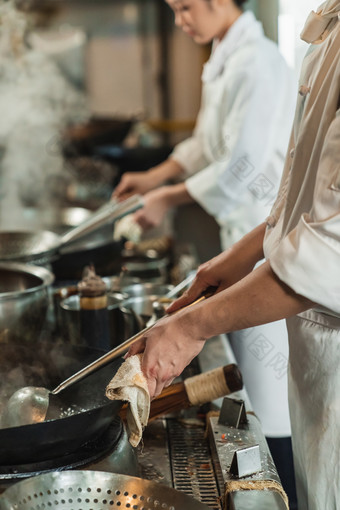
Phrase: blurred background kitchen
(91, 90)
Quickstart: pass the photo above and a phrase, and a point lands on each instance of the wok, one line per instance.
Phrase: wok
(43, 246)
(84, 138)
(46, 365)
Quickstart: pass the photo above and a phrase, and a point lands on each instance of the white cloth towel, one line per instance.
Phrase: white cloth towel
(129, 384)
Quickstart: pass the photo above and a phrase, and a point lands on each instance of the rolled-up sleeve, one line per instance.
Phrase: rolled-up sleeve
(308, 258)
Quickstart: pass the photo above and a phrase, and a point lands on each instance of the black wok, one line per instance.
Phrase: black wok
(62, 433)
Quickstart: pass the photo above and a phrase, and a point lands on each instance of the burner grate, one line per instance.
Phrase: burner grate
(192, 468)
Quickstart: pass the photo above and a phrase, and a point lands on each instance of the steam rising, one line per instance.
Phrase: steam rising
(36, 104)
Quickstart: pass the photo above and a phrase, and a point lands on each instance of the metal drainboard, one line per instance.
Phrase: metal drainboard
(191, 463)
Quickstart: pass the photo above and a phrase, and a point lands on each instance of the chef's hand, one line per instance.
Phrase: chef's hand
(155, 207)
(169, 346)
(142, 182)
(226, 269)
(133, 183)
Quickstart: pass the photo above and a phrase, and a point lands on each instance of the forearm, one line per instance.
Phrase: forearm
(248, 251)
(257, 299)
(175, 195)
(166, 171)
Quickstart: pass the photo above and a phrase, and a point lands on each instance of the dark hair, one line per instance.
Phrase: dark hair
(239, 3)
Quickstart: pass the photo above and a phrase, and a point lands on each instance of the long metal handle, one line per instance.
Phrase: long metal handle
(112, 211)
(110, 356)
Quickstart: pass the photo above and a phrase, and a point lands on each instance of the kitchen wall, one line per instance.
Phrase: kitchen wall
(136, 62)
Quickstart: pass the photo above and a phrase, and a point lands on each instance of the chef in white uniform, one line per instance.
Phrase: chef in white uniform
(300, 279)
(240, 139)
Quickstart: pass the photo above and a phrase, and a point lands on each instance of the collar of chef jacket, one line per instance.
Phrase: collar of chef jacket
(246, 28)
(317, 23)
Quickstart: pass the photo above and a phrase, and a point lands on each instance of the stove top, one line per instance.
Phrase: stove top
(106, 450)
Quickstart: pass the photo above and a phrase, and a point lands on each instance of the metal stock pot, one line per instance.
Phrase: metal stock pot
(24, 301)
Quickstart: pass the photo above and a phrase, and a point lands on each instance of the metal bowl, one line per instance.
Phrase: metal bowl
(24, 301)
(141, 298)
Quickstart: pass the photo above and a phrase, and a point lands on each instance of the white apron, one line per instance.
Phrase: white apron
(314, 399)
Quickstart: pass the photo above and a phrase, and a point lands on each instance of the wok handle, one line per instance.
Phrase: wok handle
(112, 211)
(114, 353)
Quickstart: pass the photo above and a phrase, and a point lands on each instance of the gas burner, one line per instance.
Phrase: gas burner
(91, 452)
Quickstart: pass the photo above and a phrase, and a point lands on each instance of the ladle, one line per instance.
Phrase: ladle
(29, 405)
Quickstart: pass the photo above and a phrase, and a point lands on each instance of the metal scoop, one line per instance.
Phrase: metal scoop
(29, 405)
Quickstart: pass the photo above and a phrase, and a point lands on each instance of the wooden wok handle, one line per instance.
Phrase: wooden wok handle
(195, 391)
(213, 384)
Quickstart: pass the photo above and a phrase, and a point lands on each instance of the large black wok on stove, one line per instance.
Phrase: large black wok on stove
(75, 417)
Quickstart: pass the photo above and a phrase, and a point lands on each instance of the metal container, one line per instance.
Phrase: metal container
(142, 297)
(94, 490)
(151, 290)
(122, 322)
(24, 301)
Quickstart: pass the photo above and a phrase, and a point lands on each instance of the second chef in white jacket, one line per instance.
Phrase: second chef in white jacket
(240, 139)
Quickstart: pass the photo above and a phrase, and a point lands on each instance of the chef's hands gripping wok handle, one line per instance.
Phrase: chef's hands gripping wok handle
(195, 391)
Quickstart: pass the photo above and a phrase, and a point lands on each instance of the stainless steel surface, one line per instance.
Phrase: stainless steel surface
(141, 298)
(147, 289)
(123, 459)
(94, 490)
(246, 461)
(36, 246)
(256, 500)
(24, 301)
(55, 219)
(193, 470)
(225, 441)
(233, 413)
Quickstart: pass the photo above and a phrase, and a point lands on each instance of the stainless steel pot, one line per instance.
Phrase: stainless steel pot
(24, 301)
(141, 297)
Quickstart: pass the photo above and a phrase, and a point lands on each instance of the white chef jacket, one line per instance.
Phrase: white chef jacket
(234, 160)
(302, 244)
(233, 164)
